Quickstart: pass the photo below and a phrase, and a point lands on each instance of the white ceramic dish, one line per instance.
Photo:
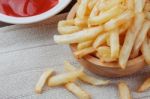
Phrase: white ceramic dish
(27, 20)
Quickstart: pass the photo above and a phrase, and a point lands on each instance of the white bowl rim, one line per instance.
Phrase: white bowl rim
(32, 19)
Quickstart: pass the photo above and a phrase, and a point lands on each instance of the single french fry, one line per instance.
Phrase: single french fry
(114, 44)
(86, 78)
(78, 37)
(81, 53)
(104, 54)
(67, 27)
(118, 21)
(140, 38)
(75, 89)
(124, 91)
(139, 5)
(62, 79)
(145, 86)
(106, 16)
(82, 9)
(81, 22)
(130, 39)
(146, 51)
(44, 77)
(101, 39)
(84, 45)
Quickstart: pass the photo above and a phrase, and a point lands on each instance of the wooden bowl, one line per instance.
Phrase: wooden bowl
(94, 65)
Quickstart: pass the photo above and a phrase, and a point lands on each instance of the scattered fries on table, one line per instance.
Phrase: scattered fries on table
(113, 29)
(68, 80)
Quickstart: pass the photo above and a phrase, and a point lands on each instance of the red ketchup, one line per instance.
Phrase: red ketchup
(25, 8)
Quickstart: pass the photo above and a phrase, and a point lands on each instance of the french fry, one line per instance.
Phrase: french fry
(146, 51)
(130, 4)
(108, 41)
(118, 21)
(81, 22)
(106, 16)
(125, 27)
(139, 5)
(92, 4)
(66, 23)
(81, 53)
(148, 15)
(130, 39)
(67, 27)
(145, 86)
(101, 39)
(124, 91)
(62, 79)
(84, 45)
(86, 78)
(82, 9)
(114, 44)
(42, 80)
(140, 38)
(75, 89)
(95, 11)
(78, 37)
(108, 4)
(104, 54)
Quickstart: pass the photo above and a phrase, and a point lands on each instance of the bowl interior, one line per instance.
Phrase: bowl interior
(32, 19)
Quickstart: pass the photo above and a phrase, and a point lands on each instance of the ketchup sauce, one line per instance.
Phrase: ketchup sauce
(25, 8)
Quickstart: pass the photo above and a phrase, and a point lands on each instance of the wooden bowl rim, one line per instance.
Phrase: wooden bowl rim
(94, 60)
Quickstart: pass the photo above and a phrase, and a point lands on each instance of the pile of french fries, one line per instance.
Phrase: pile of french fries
(112, 30)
